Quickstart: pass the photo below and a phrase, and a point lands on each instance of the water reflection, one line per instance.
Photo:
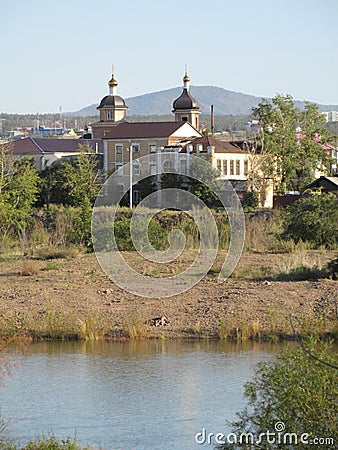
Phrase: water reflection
(147, 347)
(143, 395)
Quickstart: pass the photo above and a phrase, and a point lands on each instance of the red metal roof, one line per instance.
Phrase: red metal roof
(30, 146)
(134, 130)
(24, 146)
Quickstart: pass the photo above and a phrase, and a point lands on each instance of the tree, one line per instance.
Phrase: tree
(80, 180)
(296, 395)
(19, 187)
(80, 177)
(291, 140)
(75, 183)
(204, 180)
(53, 190)
(146, 186)
(71, 182)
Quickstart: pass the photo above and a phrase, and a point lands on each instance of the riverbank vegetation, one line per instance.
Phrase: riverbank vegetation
(54, 232)
(293, 398)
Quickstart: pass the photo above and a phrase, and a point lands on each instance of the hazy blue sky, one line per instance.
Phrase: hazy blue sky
(59, 53)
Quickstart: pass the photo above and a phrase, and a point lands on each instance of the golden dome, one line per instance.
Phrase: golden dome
(186, 78)
(112, 82)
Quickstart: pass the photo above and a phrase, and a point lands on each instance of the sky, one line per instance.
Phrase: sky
(59, 54)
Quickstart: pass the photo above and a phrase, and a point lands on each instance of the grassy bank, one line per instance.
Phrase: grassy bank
(237, 326)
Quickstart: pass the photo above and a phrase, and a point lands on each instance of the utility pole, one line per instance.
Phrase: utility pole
(212, 120)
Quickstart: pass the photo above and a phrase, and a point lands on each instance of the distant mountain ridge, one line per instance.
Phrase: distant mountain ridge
(224, 101)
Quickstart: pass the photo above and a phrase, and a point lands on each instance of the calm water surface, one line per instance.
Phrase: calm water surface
(153, 395)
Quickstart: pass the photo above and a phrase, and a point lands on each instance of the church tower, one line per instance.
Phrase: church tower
(112, 110)
(185, 107)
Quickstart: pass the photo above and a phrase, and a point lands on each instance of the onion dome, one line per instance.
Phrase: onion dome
(185, 100)
(112, 100)
(186, 78)
(112, 83)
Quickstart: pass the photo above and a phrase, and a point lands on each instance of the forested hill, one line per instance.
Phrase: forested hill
(224, 101)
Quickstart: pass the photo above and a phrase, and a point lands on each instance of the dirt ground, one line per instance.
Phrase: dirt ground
(64, 294)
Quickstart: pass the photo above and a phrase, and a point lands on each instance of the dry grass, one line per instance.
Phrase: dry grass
(278, 325)
(135, 326)
(300, 259)
(92, 327)
(29, 268)
(51, 252)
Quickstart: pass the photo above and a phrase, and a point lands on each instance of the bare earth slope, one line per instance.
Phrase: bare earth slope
(75, 296)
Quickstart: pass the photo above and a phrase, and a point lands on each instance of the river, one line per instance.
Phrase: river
(150, 395)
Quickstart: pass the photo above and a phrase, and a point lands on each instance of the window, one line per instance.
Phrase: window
(152, 148)
(152, 168)
(117, 167)
(219, 165)
(225, 167)
(231, 172)
(246, 167)
(184, 119)
(136, 169)
(118, 149)
(135, 148)
(238, 166)
(109, 115)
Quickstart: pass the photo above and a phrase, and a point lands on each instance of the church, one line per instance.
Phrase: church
(181, 135)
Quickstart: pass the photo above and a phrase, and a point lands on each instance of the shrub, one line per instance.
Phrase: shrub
(121, 229)
(313, 219)
(43, 443)
(296, 390)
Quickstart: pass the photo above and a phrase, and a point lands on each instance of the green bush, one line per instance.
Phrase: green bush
(298, 390)
(158, 230)
(313, 219)
(42, 443)
(156, 234)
